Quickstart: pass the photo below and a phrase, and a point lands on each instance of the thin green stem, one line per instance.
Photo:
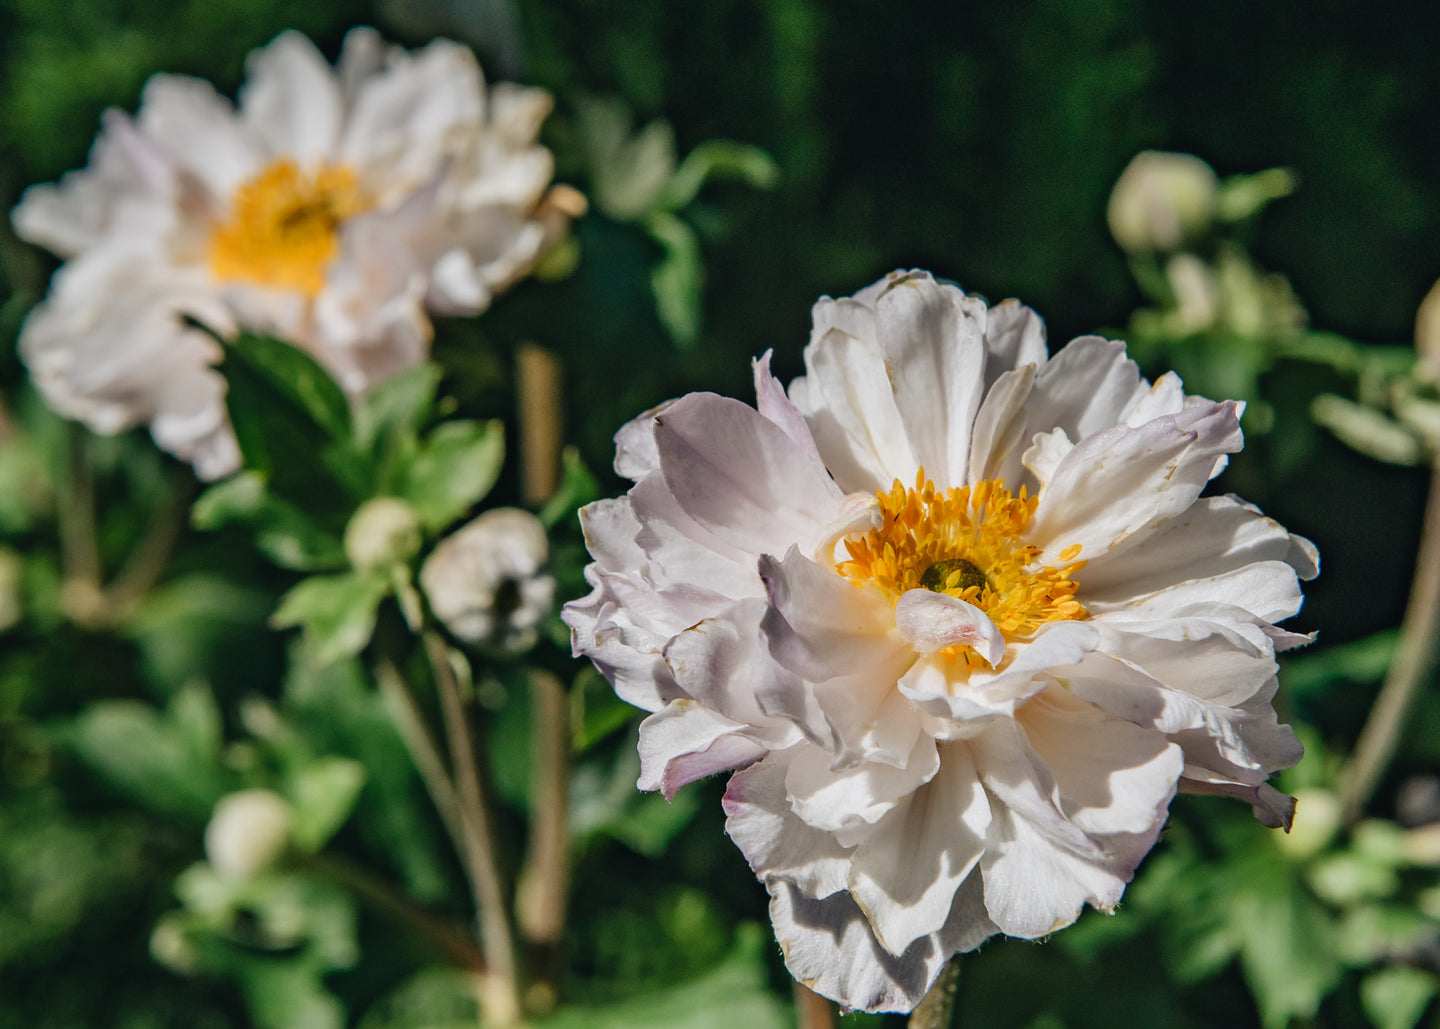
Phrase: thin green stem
(79, 548)
(1414, 664)
(937, 1009)
(146, 563)
(481, 858)
(457, 947)
(424, 751)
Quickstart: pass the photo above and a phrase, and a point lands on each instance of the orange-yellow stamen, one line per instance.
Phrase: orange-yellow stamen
(968, 543)
(284, 227)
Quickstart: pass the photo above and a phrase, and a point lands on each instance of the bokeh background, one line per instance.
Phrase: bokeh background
(980, 141)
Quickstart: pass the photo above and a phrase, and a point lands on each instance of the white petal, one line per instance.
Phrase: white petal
(1088, 386)
(291, 100)
(1014, 339)
(932, 621)
(834, 800)
(740, 476)
(999, 425)
(199, 130)
(1118, 482)
(936, 359)
(905, 875)
(850, 407)
(771, 401)
(1267, 588)
(775, 842)
(829, 947)
(1112, 776)
(635, 453)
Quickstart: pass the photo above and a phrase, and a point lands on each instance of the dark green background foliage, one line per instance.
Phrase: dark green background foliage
(977, 140)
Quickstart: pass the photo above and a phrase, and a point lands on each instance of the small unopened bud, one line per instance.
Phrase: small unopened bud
(1161, 200)
(489, 582)
(247, 833)
(384, 532)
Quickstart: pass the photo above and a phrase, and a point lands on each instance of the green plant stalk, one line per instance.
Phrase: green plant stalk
(936, 1009)
(75, 516)
(424, 752)
(1413, 665)
(385, 898)
(501, 994)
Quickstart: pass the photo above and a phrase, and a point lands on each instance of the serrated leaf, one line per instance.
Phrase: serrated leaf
(1396, 997)
(337, 612)
(322, 794)
(676, 280)
(456, 467)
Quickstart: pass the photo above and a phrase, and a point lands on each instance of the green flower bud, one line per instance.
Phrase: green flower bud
(384, 532)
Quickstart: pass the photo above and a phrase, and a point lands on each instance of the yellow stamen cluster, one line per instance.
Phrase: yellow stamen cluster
(966, 543)
(284, 227)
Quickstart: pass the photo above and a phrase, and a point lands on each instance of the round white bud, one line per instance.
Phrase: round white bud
(383, 532)
(1161, 200)
(248, 831)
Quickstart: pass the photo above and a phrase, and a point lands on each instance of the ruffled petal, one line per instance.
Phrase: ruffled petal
(291, 100)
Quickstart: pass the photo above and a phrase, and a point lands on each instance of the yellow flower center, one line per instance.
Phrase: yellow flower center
(284, 227)
(966, 543)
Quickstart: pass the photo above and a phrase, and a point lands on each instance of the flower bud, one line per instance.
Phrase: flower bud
(489, 582)
(1161, 200)
(247, 833)
(384, 532)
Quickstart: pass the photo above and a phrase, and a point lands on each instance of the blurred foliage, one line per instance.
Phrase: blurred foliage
(784, 149)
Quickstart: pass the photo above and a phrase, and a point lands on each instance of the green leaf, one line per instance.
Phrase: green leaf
(337, 612)
(402, 401)
(284, 994)
(1360, 661)
(293, 426)
(578, 487)
(1396, 997)
(735, 993)
(676, 280)
(322, 795)
(169, 762)
(455, 468)
(718, 157)
(434, 998)
(283, 532)
(298, 376)
(1289, 949)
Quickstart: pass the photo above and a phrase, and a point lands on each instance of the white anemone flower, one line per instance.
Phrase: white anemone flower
(958, 616)
(336, 208)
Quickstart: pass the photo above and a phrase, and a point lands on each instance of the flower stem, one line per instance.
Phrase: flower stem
(544, 878)
(142, 569)
(502, 991)
(424, 752)
(538, 383)
(937, 1009)
(80, 551)
(1413, 664)
(812, 1011)
(381, 895)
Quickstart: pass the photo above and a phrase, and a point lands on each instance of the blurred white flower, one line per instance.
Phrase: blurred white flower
(336, 208)
(248, 831)
(490, 582)
(1161, 200)
(956, 611)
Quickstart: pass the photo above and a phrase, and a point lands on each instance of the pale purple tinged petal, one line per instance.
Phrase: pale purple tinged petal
(774, 841)
(1272, 808)
(740, 476)
(771, 401)
(683, 742)
(635, 453)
